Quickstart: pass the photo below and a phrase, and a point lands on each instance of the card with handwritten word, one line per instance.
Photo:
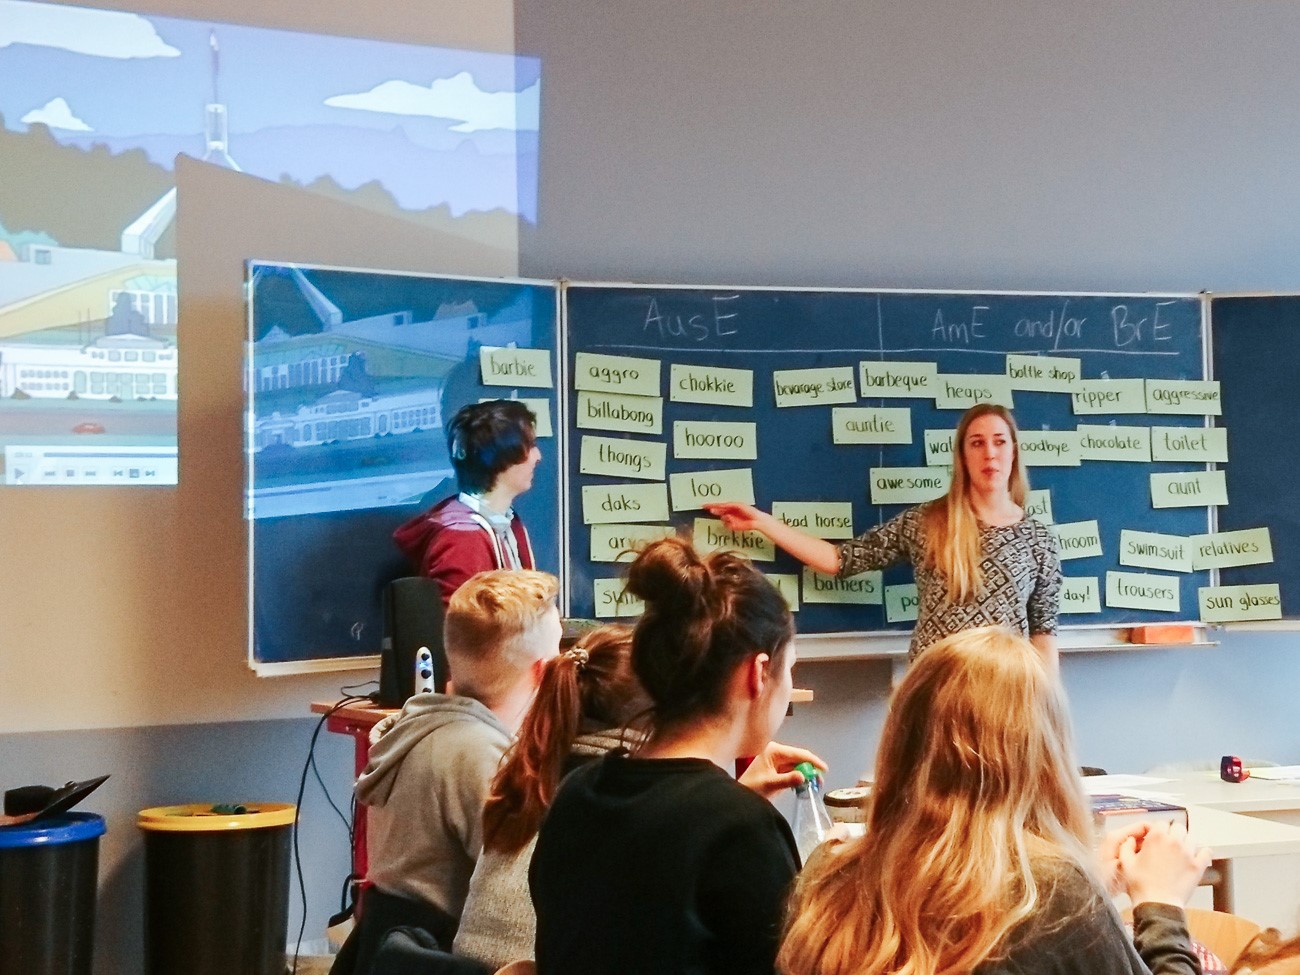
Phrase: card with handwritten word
(902, 603)
(821, 519)
(1223, 550)
(712, 439)
(541, 409)
(938, 447)
(867, 424)
(612, 457)
(624, 414)
(897, 380)
(1186, 396)
(1049, 448)
(1152, 550)
(814, 387)
(692, 490)
(613, 599)
(1106, 396)
(787, 584)
(713, 385)
(1192, 445)
(1192, 489)
(866, 589)
(1078, 539)
(614, 503)
(621, 542)
(1038, 504)
(1080, 594)
(1104, 442)
(628, 375)
(1142, 590)
(1046, 374)
(711, 535)
(515, 367)
(961, 391)
(1240, 604)
(907, 485)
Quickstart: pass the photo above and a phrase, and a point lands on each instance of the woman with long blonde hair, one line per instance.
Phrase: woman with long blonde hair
(978, 559)
(977, 855)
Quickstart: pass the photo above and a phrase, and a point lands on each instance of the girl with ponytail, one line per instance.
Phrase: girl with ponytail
(660, 861)
(587, 704)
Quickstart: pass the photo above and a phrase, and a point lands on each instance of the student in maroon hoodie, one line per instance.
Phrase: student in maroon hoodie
(493, 447)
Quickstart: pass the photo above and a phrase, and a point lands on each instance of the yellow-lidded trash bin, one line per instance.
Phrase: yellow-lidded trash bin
(216, 888)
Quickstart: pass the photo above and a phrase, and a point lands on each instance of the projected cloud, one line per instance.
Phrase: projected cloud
(458, 98)
(56, 115)
(101, 33)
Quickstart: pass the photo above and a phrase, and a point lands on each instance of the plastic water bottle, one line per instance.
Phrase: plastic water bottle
(811, 820)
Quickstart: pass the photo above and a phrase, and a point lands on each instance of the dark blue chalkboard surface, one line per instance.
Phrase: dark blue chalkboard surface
(350, 377)
(1114, 336)
(1257, 359)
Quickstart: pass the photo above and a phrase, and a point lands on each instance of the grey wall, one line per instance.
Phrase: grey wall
(944, 144)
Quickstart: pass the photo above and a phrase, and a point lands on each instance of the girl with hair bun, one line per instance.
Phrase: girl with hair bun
(660, 862)
(587, 704)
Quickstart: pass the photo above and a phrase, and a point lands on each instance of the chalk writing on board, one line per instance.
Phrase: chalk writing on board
(722, 323)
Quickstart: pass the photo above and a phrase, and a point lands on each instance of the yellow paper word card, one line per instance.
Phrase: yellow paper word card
(703, 439)
(1190, 490)
(625, 414)
(1149, 550)
(1231, 604)
(616, 374)
(692, 490)
(821, 519)
(788, 586)
(1199, 445)
(865, 589)
(1142, 590)
(865, 424)
(813, 387)
(1049, 448)
(1078, 539)
(1043, 373)
(1038, 504)
(906, 485)
(897, 380)
(622, 458)
(961, 391)
(902, 603)
(712, 535)
(1223, 550)
(938, 447)
(711, 384)
(1200, 398)
(621, 543)
(515, 367)
(614, 503)
(541, 409)
(613, 599)
(1115, 443)
(1080, 594)
(1099, 396)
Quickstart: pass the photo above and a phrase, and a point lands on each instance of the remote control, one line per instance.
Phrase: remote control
(423, 671)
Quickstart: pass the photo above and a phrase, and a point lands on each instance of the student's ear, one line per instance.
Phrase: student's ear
(536, 669)
(756, 674)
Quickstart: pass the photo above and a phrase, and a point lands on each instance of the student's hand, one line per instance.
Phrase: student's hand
(736, 516)
(1108, 854)
(1164, 867)
(772, 771)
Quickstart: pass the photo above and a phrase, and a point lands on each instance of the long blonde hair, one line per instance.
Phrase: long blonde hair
(975, 777)
(952, 532)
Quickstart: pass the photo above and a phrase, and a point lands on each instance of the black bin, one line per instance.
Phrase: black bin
(48, 873)
(216, 889)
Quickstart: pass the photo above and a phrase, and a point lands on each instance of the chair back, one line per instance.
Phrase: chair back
(1224, 934)
(519, 968)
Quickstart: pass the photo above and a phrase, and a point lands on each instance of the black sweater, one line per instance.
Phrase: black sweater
(659, 867)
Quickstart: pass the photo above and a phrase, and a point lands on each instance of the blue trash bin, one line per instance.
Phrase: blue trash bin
(48, 878)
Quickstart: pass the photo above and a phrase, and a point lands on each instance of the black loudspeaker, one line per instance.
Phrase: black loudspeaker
(412, 622)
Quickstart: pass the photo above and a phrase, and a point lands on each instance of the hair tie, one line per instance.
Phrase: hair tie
(579, 656)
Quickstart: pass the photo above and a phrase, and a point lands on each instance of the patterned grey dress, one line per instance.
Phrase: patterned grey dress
(1022, 577)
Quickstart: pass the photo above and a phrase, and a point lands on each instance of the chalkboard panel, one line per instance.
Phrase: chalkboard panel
(1257, 360)
(351, 375)
(763, 330)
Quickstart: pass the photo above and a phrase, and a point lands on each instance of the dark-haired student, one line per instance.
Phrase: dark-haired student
(660, 862)
(584, 706)
(493, 449)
